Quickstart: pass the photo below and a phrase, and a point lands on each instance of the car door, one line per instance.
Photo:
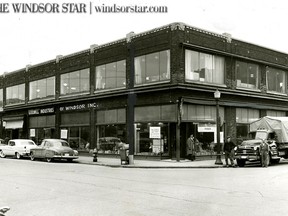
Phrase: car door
(45, 150)
(9, 151)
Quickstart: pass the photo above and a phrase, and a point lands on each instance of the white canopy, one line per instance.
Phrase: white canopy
(279, 125)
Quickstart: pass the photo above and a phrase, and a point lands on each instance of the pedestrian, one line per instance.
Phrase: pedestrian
(229, 151)
(190, 148)
(264, 153)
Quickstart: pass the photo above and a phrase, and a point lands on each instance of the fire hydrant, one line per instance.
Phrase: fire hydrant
(95, 154)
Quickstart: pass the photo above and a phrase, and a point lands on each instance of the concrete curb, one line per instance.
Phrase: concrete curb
(152, 166)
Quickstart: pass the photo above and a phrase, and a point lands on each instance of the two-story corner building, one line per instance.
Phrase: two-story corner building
(145, 87)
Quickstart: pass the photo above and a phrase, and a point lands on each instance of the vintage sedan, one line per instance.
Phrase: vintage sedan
(17, 148)
(53, 149)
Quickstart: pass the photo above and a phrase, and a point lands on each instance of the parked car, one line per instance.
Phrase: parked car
(17, 147)
(53, 149)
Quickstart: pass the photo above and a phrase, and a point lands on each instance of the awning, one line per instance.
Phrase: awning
(14, 124)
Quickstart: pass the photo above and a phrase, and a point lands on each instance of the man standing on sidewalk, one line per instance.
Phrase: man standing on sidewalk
(190, 148)
(229, 151)
(264, 153)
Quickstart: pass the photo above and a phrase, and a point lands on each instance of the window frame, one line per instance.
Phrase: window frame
(68, 84)
(102, 74)
(53, 80)
(215, 63)
(141, 63)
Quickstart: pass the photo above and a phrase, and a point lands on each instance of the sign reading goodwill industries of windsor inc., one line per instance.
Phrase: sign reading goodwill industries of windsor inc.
(73, 107)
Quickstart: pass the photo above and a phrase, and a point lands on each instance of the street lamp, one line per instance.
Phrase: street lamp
(217, 95)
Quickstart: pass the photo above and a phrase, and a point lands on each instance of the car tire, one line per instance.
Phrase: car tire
(241, 163)
(2, 155)
(32, 157)
(48, 159)
(18, 156)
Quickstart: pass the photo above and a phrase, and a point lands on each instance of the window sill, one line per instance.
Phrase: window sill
(152, 83)
(276, 93)
(108, 90)
(205, 83)
(248, 89)
(74, 95)
(41, 100)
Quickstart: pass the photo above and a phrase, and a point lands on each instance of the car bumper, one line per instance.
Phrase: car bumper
(247, 157)
(64, 157)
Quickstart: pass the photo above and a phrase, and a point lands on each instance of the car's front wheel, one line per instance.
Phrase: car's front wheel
(48, 159)
(18, 156)
(2, 155)
(32, 157)
(241, 163)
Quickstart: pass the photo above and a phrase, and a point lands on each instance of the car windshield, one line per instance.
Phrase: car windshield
(60, 143)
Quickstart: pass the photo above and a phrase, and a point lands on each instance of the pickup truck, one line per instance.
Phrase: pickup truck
(273, 130)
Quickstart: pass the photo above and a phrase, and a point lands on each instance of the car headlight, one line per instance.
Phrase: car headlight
(75, 152)
(235, 148)
(255, 148)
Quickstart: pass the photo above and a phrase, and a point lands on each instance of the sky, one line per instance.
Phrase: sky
(33, 38)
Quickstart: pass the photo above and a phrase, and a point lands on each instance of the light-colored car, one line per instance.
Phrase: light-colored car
(17, 147)
(51, 149)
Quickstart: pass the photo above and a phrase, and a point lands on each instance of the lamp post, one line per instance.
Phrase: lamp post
(217, 95)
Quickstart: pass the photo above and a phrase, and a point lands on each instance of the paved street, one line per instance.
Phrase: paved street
(61, 188)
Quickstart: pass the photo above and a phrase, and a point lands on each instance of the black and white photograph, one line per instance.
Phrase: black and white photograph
(143, 108)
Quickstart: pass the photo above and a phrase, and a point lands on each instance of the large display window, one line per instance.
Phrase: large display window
(75, 129)
(111, 130)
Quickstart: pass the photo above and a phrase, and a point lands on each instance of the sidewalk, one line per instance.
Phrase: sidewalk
(146, 163)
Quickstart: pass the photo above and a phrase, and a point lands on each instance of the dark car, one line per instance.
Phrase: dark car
(53, 149)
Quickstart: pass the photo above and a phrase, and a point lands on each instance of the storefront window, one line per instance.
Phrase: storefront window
(111, 130)
(41, 127)
(204, 67)
(243, 118)
(247, 75)
(276, 80)
(15, 94)
(112, 75)
(79, 137)
(110, 138)
(77, 130)
(145, 144)
(75, 82)
(40, 89)
(152, 68)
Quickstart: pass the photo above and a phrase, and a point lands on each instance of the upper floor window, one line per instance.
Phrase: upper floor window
(151, 68)
(112, 75)
(204, 67)
(40, 89)
(15, 94)
(247, 75)
(276, 80)
(75, 82)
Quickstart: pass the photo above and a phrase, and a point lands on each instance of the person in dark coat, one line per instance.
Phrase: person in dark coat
(229, 151)
(190, 148)
(264, 153)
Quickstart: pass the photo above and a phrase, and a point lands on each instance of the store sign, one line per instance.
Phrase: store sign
(155, 132)
(206, 128)
(64, 134)
(77, 107)
(41, 111)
